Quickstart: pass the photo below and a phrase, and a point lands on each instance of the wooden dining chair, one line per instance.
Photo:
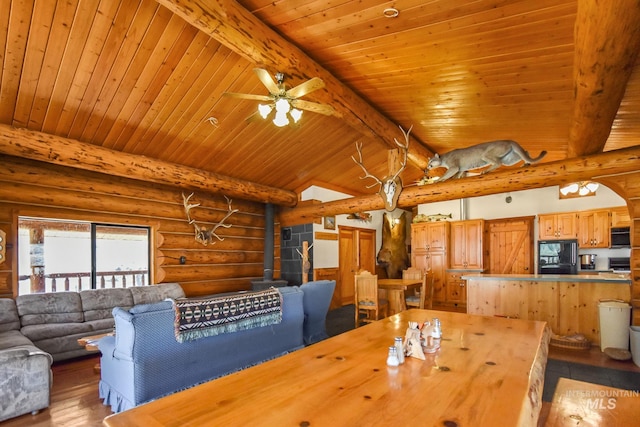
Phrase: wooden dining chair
(412, 297)
(367, 300)
(424, 298)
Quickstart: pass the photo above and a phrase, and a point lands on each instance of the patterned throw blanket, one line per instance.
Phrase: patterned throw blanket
(204, 317)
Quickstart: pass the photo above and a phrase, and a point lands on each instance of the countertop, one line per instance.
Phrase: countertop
(604, 277)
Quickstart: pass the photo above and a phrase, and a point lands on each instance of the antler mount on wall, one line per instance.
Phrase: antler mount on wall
(202, 234)
(391, 185)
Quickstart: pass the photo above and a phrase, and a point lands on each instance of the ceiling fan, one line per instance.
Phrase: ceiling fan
(285, 101)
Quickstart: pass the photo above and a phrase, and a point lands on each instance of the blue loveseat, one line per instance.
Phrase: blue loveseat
(144, 360)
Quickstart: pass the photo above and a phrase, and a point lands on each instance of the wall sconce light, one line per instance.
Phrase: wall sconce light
(283, 110)
(579, 189)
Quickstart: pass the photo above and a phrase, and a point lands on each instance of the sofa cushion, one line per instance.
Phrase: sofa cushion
(55, 307)
(54, 330)
(155, 293)
(10, 339)
(98, 303)
(101, 324)
(9, 320)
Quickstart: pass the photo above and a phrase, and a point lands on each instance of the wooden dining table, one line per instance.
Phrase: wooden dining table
(488, 371)
(395, 292)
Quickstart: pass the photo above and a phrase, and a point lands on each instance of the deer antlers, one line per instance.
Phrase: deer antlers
(390, 186)
(203, 235)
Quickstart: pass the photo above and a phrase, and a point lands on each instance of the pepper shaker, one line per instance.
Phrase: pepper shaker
(399, 349)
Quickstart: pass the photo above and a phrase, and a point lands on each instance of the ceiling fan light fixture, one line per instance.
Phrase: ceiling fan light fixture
(282, 106)
(295, 114)
(571, 188)
(592, 186)
(280, 119)
(582, 188)
(264, 110)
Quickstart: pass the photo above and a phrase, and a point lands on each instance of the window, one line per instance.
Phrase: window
(57, 255)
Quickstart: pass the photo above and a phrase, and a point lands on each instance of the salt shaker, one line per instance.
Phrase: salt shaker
(392, 358)
(399, 349)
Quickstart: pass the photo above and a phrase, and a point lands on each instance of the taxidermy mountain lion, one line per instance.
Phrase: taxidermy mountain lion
(494, 154)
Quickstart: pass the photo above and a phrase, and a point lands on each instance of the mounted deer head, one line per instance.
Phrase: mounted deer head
(203, 235)
(390, 186)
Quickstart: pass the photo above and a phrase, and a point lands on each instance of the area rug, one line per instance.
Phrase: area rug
(204, 317)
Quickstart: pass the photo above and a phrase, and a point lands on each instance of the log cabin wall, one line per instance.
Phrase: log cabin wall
(30, 188)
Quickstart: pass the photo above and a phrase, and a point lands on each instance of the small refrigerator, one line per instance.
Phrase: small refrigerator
(558, 256)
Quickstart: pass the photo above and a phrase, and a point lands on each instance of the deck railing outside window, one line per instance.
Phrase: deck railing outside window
(81, 281)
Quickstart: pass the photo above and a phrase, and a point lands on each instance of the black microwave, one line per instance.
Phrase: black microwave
(620, 237)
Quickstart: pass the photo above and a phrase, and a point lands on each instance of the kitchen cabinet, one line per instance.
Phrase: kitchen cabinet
(429, 244)
(466, 244)
(557, 226)
(456, 289)
(594, 229)
(620, 217)
(430, 236)
(436, 261)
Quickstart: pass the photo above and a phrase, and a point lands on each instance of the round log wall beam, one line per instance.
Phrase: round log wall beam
(69, 152)
(512, 179)
(607, 42)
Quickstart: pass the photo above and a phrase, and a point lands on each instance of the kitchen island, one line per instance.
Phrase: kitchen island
(568, 303)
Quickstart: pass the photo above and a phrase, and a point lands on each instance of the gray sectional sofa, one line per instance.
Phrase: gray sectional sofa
(38, 329)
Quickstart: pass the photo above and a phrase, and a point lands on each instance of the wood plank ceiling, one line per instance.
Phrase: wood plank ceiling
(132, 76)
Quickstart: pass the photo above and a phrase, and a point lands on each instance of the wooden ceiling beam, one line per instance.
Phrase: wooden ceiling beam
(69, 152)
(238, 29)
(509, 179)
(607, 41)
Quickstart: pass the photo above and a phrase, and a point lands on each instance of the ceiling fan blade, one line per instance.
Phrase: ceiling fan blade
(267, 80)
(314, 107)
(266, 98)
(304, 88)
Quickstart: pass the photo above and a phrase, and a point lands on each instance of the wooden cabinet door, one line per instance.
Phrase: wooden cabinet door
(474, 230)
(418, 237)
(466, 244)
(593, 229)
(430, 236)
(458, 245)
(438, 236)
(547, 227)
(566, 225)
(420, 259)
(557, 226)
(456, 289)
(510, 246)
(438, 262)
(620, 217)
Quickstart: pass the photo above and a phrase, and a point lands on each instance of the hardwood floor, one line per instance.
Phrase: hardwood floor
(593, 357)
(74, 398)
(75, 402)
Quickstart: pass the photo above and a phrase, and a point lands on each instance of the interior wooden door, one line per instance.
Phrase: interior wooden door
(357, 249)
(510, 246)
